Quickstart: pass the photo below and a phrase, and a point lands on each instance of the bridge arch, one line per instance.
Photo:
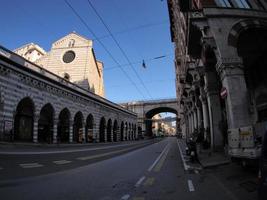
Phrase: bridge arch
(149, 114)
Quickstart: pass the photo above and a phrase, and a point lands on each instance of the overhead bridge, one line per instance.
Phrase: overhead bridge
(147, 109)
(39, 106)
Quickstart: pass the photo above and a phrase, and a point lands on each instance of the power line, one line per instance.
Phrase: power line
(112, 57)
(135, 28)
(140, 61)
(119, 46)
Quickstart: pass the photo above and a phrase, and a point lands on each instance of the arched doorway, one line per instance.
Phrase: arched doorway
(102, 130)
(109, 129)
(152, 113)
(23, 130)
(122, 131)
(63, 126)
(45, 124)
(115, 130)
(78, 127)
(126, 131)
(140, 134)
(89, 134)
(130, 132)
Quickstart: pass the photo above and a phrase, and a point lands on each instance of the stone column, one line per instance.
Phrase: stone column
(189, 124)
(199, 118)
(192, 122)
(195, 119)
(237, 99)
(71, 131)
(214, 107)
(35, 128)
(95, 135)
(111, 133)
(55, 138)
(206, 120)
(83, 133)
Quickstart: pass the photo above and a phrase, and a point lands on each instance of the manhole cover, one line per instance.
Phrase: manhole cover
(249, 186)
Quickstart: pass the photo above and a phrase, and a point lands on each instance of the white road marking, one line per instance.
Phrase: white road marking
(61, 162)
(31, 165)
(186, 167)
(1, 168)
(139, 182)
(125, 197)
(157, 160)
(190, 186)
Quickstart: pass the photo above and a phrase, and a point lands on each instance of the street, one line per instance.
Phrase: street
(151, 169)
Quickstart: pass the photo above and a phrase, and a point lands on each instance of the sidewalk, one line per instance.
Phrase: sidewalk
(207, 158)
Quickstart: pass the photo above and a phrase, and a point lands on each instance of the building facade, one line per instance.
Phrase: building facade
(71, 57)
(39, 106)
(220, 48)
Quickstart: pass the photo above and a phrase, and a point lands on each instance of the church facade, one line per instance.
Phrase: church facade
(71, 57)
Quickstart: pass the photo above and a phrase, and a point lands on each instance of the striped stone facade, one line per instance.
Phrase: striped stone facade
(23, 81)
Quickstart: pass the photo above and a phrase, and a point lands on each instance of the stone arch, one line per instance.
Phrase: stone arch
(122, 131)
(126, 131)
(45, 124)
(251, 46)
(115, 131)
(109, 131)
(89, 128)
(24, 118)
(241, 26)
(78, 127)
(102, 130)
(149, 114)
(63, 128)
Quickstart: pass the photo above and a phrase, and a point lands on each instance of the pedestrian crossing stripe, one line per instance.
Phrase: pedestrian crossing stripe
(30, 165)
(61, 162)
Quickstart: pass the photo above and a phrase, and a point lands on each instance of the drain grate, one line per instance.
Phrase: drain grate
(249, 186)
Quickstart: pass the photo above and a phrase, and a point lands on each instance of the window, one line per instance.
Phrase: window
(223, 3)
(68, 57)
(71, 43)
(242, 3)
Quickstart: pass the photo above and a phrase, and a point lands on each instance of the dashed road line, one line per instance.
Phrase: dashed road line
(125, 197)
(149, 181)
(62, 162)
(139, 182)
(30, 165)
(158, 158)
(190, 186)
(161, 161)
(186, 167)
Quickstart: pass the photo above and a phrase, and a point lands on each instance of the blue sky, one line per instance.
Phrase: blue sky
(140, 26)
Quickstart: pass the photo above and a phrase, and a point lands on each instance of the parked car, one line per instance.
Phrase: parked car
(263, 170)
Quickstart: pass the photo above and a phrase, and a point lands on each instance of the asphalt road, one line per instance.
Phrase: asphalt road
(141, 170)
